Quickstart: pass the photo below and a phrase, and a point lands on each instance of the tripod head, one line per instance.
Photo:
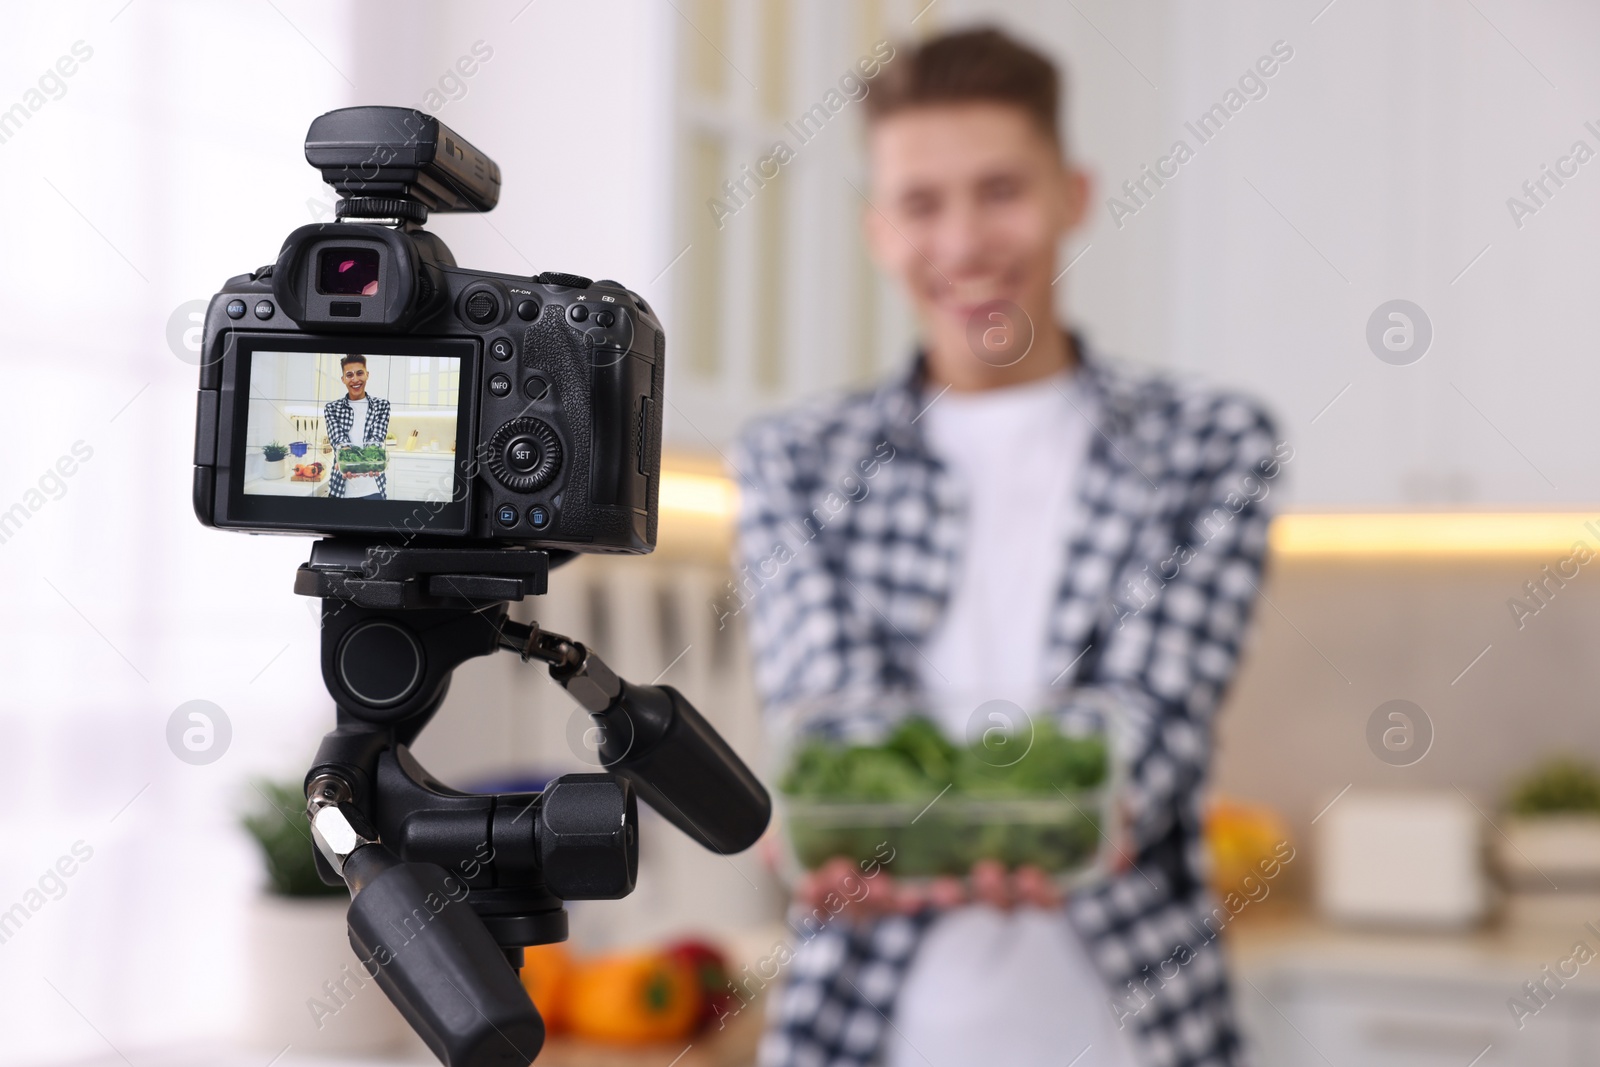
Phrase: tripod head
(447, 887)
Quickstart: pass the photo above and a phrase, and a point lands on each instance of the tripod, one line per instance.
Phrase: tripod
(447, 887)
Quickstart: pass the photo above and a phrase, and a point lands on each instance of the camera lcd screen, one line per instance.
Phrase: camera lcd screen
(343, 427)
(348, 272)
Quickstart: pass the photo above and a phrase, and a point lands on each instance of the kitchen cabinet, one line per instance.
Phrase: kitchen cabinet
(1309, 994)
(421, 475)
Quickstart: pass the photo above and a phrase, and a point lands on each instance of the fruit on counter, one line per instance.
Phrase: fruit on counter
(710, 968)
(546, 974)
(633, 998)
(309, 471)
(1240, 837)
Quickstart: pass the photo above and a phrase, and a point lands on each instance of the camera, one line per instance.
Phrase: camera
(364, 384)
(454, 434)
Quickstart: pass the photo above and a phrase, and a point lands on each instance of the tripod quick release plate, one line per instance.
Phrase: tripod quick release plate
(375, 575)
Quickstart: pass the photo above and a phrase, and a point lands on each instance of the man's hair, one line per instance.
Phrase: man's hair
(971, 66)
(352, 358)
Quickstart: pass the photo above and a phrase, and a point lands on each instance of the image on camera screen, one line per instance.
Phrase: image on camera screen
(351, 426)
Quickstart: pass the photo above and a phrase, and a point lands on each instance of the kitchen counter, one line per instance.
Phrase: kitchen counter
(412, 476)
(1308, 993)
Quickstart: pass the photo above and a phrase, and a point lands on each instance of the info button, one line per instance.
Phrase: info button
(522, 454)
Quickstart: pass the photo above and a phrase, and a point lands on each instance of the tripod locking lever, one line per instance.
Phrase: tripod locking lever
(655, 739)
(414, 933)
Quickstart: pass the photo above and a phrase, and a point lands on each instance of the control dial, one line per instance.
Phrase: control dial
(524, 454)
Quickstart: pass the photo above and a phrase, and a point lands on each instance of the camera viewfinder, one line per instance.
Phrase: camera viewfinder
(348, 272)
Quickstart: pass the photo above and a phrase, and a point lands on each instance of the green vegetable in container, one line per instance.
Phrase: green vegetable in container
(363, 459)
(1010, 799)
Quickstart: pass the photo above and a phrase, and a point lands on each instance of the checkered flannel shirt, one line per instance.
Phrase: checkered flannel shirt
(1156, 589)
(340, 420)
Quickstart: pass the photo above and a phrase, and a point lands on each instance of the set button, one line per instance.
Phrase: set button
(522, 454)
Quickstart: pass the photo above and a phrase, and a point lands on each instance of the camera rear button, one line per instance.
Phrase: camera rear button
(236, 309)
(578, 312)
(605, 318)
(539, 516)
(506, 515)
(528, 310)
(522, 454)
(482, 307)
(264, 309)
(536, 388)
(500, 385)
(501, 348)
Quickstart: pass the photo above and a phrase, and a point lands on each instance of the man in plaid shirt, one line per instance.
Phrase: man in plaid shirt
(1013, 516)
(357, 418)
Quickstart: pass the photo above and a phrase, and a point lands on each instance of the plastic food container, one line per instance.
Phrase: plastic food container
(359, 459)
(894, 782)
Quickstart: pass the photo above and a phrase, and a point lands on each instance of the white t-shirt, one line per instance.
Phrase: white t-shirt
(357, 487)
(988, 986)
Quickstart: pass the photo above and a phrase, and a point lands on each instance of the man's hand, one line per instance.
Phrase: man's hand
(987, 883)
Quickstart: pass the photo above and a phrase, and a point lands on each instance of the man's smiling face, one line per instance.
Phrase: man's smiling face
(355, 380)
(969, 205)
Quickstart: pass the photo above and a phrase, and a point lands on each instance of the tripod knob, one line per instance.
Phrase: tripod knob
(588, 837)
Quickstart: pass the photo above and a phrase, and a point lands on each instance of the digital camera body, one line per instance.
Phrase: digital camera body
(424, 403)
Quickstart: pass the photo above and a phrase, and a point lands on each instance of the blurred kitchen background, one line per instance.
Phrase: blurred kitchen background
(1386, 161)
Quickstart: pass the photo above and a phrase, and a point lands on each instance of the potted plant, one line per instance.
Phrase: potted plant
(1552, 834)
(273, 452)
(307, 987)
